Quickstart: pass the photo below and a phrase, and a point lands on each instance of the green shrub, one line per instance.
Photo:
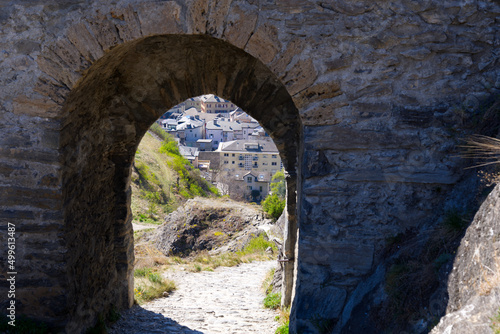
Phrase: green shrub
(283, 329)
(170, 147)
(273, 205)
(142, 272)
(278, 185)
(258, 244)
(273, 300)
(154, 278)
(157, 130)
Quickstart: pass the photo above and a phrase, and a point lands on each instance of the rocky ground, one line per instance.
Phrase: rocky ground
(227, 300)
(217, 225)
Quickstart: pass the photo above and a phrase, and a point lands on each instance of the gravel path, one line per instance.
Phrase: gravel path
(228, 300)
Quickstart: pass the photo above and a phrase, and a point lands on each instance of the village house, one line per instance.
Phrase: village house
(258, 156)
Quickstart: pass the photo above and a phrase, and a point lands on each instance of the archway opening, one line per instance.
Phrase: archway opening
(106, 116)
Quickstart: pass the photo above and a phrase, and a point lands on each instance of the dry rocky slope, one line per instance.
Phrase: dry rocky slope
(216, 225)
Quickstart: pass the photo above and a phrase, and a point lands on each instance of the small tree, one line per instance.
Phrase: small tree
(273, 205)
(278, 185)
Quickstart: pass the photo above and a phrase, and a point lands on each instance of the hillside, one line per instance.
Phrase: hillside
(162, 179)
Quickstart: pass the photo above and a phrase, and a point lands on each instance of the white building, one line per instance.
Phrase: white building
(189, 130)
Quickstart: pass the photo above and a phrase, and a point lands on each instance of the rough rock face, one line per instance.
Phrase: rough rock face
(364, 99)
(474, 284)
(207, 224)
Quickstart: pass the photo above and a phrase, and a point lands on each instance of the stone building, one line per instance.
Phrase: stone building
(365, 101)
(260, 156)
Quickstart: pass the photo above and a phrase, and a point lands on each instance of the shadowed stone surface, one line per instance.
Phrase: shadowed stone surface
(365, 100)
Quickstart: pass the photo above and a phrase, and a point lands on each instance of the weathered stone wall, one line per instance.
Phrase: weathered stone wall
(376, 89)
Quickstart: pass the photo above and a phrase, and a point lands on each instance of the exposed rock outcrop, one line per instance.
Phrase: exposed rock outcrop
(208, 224)
(474, 284)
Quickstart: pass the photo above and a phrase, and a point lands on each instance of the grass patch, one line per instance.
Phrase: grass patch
(258, 245)
(267, 283)
(151, 287)
(273, 300)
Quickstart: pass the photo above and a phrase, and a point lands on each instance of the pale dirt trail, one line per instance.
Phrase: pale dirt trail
(228, 300)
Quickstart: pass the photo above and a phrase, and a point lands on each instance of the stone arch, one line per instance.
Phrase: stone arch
(104, 118)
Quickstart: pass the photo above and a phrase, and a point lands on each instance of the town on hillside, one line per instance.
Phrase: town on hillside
(227, 145)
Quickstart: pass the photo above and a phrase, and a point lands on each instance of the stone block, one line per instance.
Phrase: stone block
(301, 76)
(346, 138)
(127, 23)
(317, 303)
(104, 31)
(264, 43)
(162, 18)
(350, 8)
(340, 256)
(321, 91)
(241, 22)
(38, 198)
(294, 48)
(85, 42)
(38, 107)
(216, 14)
(10, 214)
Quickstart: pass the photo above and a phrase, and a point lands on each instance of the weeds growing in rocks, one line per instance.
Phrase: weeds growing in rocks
(273, 300)
(266, 284)
(149, 285)
(495, 323)
(283, 318)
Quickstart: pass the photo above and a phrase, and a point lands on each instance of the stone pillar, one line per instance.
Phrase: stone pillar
(290, 240)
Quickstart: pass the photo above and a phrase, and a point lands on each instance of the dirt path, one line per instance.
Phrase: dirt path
(228, 300)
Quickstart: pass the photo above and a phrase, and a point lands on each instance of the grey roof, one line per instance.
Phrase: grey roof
(225, 126)
(189, 152)
(187, 122)
(243, 146)
(205, 116)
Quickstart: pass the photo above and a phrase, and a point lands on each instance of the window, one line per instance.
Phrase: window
(226, 154)
(249, 179)
(233, 155)
(232, 162)
(261, 176)
(274, 163)
(226, 162)
(260, 188)
(264, 156)
(274, 156)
